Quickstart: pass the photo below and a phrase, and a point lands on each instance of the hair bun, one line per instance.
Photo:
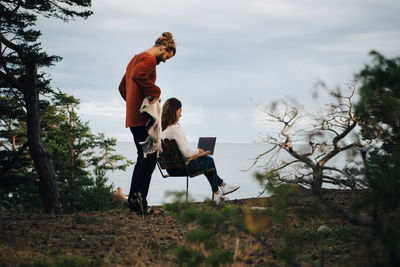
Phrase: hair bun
(166, 40)
(168, 35)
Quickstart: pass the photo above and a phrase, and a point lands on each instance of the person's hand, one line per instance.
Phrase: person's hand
(154, 100)
(202, 151)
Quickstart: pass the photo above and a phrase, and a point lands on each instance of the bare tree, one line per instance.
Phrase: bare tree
(311, 141)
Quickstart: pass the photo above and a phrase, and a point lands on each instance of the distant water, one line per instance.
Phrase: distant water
(231, 161)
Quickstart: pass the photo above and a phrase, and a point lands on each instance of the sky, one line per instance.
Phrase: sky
(232, 56)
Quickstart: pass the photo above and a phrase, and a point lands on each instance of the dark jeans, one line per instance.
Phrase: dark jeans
(201, 164)
(142, 172)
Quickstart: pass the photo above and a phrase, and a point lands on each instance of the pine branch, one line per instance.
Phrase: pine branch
(11, 80)
(11, 45)
(15, 158)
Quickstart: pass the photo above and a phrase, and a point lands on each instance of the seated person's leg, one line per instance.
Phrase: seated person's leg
(203, 163)
(176, 172)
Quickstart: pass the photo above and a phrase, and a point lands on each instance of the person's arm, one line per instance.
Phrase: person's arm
(122, 87)
(177, 133)
(140, 76)
(202, 153)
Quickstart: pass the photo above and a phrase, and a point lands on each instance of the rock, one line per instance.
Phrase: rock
(258, 208)
(323, 228)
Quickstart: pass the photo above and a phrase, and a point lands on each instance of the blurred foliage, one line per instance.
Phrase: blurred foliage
(379, 115)
(65, 261)
(206, 242)
(84, 220)
(276, 213)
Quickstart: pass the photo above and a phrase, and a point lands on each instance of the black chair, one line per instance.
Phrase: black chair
(171, 158)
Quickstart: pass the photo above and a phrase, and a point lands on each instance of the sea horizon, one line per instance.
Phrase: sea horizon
(231, 159)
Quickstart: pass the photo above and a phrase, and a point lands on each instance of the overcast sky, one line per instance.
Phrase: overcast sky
(230, 55)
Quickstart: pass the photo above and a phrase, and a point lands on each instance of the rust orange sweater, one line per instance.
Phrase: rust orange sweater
(138, 82)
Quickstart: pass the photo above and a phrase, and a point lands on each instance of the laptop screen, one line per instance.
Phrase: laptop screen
(207, 143)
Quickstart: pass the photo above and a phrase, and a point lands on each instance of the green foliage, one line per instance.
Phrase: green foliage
(288, 251)
(21, 56)
(295, 240)
(282, 194)
(23, 196)
(199, 235)
(334, 235)
(188, 257)
(81, 159)
(96, 196)
(19, 40)
(84, 220)
(219, 257)
(267, 179)
(207, 242)
(19, 188)
(379, 114)
(379, 106)
(65, 261)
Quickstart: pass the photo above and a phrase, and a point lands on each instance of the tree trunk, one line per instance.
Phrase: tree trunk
(41, 158)
(316, 184)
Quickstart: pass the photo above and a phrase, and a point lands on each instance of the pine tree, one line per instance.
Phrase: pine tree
(21, 56)
(379, 115)
(81, 159)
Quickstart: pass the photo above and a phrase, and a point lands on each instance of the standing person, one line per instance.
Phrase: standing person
(171, 113)
(137, 83)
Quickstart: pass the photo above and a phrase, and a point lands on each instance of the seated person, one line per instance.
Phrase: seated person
(171, 113)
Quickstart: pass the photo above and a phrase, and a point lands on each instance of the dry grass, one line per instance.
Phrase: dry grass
(121, 238)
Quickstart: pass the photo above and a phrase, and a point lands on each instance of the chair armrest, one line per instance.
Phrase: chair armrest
(202, 154)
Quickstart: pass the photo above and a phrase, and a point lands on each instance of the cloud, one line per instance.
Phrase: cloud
(228, 52)
(387, 41)
(110, 109)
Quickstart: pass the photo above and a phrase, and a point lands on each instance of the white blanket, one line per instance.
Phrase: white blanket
(152, 144)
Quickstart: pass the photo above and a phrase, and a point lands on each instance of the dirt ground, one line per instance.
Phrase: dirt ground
(121, 238)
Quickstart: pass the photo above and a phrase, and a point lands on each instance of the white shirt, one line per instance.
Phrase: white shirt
(176, 132)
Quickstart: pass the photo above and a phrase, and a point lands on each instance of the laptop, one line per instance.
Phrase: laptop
(207, 143)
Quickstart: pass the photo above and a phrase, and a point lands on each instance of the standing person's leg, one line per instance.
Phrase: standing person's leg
(142, 172)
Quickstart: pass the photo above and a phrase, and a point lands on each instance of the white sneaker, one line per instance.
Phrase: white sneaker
(227, 189)
(219, 199)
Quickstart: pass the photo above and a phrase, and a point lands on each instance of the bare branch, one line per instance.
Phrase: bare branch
(12, 162)
(11, 45)
(287, 164)
(260, 156)
(336, 170)
(300, 157)
(327, 137)
(336, 145)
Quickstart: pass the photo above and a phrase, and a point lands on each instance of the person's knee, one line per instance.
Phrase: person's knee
(210, 161)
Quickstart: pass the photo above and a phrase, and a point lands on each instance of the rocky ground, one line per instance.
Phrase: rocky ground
(120, 238)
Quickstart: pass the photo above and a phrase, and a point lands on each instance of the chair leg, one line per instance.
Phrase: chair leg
(214, 185)
(187, 187)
